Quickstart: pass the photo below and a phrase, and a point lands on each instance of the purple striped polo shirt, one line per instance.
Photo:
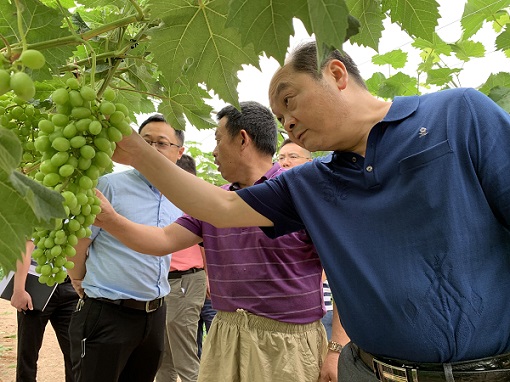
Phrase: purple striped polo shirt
(274, 278)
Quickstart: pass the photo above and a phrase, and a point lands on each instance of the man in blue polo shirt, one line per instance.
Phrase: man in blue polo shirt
(410, 215)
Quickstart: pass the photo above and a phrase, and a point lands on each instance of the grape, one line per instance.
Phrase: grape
(75, 98)
(60, 96)
(109, 94)
(22, 85)
(87, 93)
(107, 108)
(32, 59)
(61, 144)
(73, 83)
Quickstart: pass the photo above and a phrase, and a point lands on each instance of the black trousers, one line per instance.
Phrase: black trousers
(31, 326)
(111, 343)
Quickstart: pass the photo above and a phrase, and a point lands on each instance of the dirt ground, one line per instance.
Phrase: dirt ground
(51, 362)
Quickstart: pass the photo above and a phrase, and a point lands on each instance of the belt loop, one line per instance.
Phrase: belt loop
(448, 372)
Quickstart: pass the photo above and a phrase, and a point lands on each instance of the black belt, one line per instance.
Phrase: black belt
(490, 369)
(179, 274)
(147, 306)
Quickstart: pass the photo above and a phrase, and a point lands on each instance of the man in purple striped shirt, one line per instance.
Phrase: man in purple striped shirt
(268, 292)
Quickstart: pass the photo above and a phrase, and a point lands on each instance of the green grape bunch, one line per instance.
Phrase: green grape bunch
(76, 140)
(22, 118)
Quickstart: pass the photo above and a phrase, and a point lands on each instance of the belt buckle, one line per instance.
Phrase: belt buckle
(386, 372)
(149, 309)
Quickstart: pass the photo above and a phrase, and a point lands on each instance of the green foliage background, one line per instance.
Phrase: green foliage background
(175, 53)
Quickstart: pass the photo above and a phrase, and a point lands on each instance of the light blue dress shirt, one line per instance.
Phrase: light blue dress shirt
(115, 271)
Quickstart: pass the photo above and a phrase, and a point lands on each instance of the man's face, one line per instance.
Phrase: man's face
(292, 155)
(162, 137)
(227, 153)
(310, 110)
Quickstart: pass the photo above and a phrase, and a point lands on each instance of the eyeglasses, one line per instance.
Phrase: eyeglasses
(290, 157)
(162, 144)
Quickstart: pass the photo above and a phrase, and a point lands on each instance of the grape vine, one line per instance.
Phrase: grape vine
(68, 141)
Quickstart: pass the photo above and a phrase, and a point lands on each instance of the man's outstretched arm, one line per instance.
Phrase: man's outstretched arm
(191, 194)
(150, 240)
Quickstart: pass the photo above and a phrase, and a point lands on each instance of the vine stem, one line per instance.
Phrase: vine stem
(19, 17)
(78, 39)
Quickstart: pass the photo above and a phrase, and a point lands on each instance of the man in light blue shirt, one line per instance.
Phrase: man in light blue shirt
(117, 331)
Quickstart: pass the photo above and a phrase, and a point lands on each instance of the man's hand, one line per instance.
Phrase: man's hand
(329, 370)
(128, 148)
(107, 214)
(22, 301)
(78, 288)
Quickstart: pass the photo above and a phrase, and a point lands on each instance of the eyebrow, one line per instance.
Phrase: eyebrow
(158, 137)
(280, 88)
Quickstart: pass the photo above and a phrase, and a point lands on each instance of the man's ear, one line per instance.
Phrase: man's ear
(338, 72)
(245, 137)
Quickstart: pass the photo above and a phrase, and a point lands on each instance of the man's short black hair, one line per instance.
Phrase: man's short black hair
(159, 118)
(187, 163)
(257, 120)
(304, 59)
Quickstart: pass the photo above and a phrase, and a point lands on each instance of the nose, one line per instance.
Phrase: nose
(284, 162)
(290, 123)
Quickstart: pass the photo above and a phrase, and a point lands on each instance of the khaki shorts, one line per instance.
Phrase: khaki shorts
(243, 347)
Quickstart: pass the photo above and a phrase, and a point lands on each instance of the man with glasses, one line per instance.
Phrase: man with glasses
(117, 330)
(291, 155)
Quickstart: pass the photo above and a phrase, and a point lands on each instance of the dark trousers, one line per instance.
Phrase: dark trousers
(206, 316)
(111, 343)
(31, 326)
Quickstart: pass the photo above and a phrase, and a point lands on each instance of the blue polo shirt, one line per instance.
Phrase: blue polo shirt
(414, 236)
(115, 271)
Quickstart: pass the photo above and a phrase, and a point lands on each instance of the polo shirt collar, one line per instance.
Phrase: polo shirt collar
(401, 108)
(268, 175)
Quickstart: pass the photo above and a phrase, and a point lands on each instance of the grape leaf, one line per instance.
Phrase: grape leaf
(503, 40)
(465, 50)
(396, 58)
(329, 19)
(267, 24)
(501, 95)
(194, 41)
(371, 17)
(29, 203)
(10, 150)
(398, 85)
(417, 18)
(440, 76)
(183, 100)
(477, 11)
(501, 79)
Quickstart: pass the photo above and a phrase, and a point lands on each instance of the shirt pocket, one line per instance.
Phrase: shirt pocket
(424, 157)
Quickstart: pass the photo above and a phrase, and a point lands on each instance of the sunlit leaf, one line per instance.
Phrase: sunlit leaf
(503, 40)
(370, 16)
(441, 76)
(465, 50)
(477, 11)
(417, 18)
(398, 85)
(396, 58)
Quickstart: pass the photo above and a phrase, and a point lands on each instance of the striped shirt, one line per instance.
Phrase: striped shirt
(274, 278)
